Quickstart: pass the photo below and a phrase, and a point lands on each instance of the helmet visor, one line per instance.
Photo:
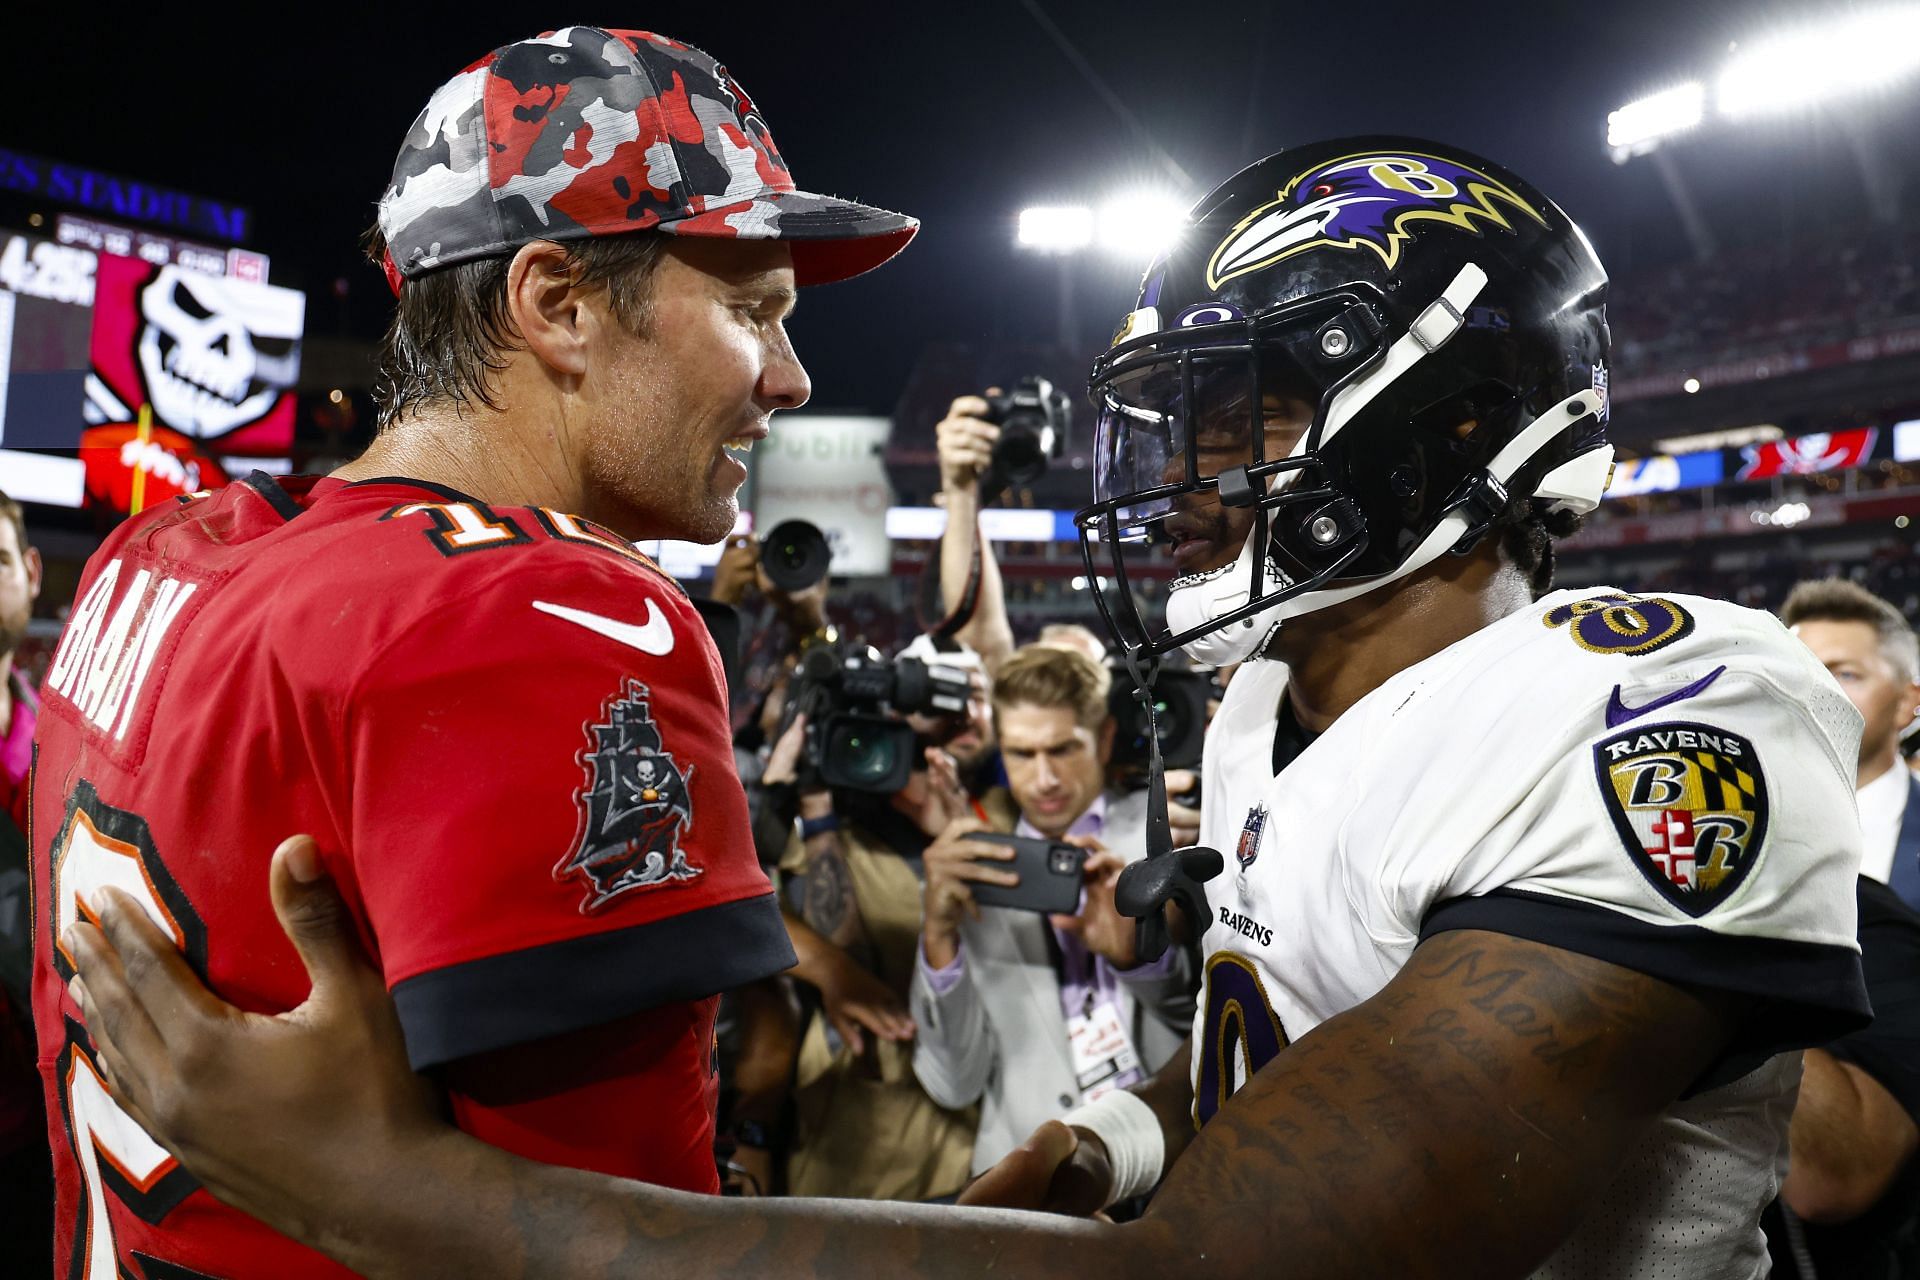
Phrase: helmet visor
(1154, 415)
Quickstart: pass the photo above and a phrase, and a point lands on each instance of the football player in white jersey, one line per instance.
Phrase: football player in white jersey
(1515, 907)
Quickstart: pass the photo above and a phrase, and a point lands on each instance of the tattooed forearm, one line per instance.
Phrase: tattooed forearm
(497, 1215)
(1455, 1124)
(1451, 1125)
(828, 904)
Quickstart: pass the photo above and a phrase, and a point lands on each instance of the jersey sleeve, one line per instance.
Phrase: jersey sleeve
(546, 830)
(1708, 837)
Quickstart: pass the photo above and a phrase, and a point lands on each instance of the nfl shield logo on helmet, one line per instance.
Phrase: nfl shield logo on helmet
(1249, 847)
(1690, 804)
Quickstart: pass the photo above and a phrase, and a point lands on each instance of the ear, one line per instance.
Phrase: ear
(1909, 705)
(548, 307)
(34, 570)
(1107, 729)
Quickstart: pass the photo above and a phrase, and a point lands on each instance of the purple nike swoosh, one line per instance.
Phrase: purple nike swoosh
(1618, 712)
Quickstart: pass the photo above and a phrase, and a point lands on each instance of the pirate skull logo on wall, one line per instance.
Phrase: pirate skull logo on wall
(636, 805)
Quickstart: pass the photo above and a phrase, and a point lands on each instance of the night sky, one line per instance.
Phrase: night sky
(958, 113)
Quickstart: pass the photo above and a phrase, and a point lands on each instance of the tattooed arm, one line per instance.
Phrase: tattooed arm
(827, 901)
(1452, 1125)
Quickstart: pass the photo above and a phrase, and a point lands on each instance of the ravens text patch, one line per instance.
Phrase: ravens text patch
(1690, 804)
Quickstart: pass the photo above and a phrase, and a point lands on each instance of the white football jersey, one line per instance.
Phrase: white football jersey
(1665, 783)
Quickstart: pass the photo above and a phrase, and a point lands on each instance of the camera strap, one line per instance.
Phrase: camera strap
(930, 597)
(1166, 873)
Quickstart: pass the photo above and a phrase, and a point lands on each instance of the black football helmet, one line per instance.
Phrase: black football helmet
(1436, 323)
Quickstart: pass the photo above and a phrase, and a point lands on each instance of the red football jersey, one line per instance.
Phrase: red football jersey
(508, 731)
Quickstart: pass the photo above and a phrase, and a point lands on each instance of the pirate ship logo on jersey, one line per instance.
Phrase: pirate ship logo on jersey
(1249, 847)
(1690, 804)
(636, 806)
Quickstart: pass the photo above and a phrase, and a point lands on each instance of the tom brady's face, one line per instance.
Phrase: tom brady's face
(678, 406)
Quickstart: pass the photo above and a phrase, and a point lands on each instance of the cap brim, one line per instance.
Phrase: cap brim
(832, 239)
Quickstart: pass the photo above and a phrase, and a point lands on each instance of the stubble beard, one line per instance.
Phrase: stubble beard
(646, 500)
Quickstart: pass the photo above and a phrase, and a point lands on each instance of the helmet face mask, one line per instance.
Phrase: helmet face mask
(1357, 404)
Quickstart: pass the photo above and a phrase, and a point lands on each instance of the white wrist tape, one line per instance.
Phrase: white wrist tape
(1136, 1148)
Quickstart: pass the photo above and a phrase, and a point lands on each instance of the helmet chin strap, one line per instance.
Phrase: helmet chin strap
(1591, 471)
(1219, 593)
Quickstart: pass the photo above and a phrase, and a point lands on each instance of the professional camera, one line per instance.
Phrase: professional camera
(850, 740)
(1033, 419)
(1179, 710)
(795, 555)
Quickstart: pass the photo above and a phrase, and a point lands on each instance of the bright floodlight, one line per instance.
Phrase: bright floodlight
(1825, 60)
(1056, 228)
(1139, 226)
(1657, 116)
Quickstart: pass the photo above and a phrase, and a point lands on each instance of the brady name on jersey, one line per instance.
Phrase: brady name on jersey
(506, 730)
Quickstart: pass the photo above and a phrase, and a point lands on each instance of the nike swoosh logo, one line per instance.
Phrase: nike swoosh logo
(654, 636)
(1618, 712)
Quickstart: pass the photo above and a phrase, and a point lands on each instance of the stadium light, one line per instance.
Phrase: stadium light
(1139, 225)
(1786, 515)
(1638, 126)
(1809, 64)
(1056, 228)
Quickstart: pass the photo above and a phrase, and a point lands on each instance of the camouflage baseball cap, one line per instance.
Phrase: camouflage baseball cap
(585, 132)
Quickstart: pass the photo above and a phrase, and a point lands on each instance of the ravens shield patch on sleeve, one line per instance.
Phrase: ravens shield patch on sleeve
(1690, 804)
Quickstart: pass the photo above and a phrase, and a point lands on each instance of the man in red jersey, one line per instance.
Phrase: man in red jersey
(447, 657)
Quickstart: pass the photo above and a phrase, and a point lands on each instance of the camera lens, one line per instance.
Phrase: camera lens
(1063, 862)
(1020, 456)
(795, 555)
(866, 757)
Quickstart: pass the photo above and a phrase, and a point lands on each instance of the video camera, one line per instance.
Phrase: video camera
(1180, 710)
(851, 741)
(1033, 419)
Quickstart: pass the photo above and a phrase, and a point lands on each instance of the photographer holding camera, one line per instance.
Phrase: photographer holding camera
(839, 740)
(1025, 1010)
(986, 443)
(872, 793)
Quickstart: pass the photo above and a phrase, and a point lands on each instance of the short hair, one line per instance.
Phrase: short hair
(10, 511)
(1041, 675)
(1070, 635)
(451, 330)
(1837, 600)
(1528, 528)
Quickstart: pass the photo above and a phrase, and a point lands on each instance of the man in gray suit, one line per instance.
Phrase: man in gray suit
(1030, 1015)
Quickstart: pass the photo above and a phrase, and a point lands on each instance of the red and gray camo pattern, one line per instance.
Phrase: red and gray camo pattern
(582, 132)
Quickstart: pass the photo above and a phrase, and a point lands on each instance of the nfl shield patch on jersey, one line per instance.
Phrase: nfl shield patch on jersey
(1690, 804)
(1249, 846)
